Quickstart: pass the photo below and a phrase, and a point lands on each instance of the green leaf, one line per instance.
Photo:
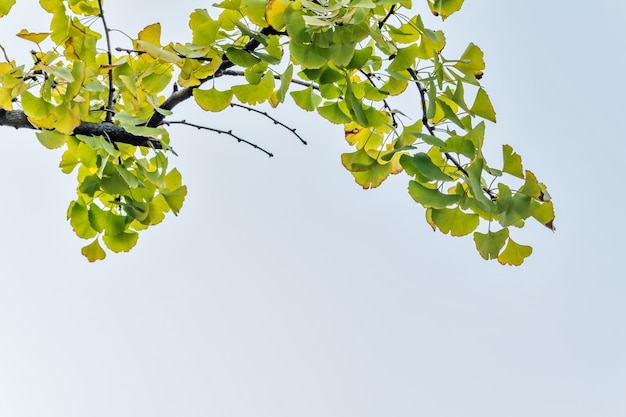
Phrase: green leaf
(513, 209)
(122, 242)
(455, 221)
(254, 94)
(93, 252)
(35, 108)
(203, 27)
(475, 171)
(5, 7)
(490, 244)
(422, 163)
(543, 213)
(514, 253)
(333, 113)
(241, 57)
(482, 106)
(308, 56)
(429, 197)
(471, 61)
(175, 198)
(306, 99)
(78, 216)
(512, 162)
(444, 8)
(212, 99)
(51, 139)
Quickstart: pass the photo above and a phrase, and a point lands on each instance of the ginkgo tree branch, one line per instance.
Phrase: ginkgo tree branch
(183, 94)
(117, 134)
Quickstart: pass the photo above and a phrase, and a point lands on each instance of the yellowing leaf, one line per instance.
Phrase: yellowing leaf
(51, 139)
(455, 221)
(159, 53)
(5, 6)
(151, 34)
(482, 106)
(93, 252)
(274, 13)
(212, 99)
(445, 8)
(514, 253)
(512, 162)
(33, 37)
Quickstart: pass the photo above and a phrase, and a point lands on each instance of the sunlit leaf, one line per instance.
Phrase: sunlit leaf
(430, 197)
(514, 253)
(455, 221)
(93, 251)
(212, 99)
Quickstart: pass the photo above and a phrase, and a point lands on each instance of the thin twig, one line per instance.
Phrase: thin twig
(276, 77)
(141, 52)
(109, 113)
(276, 122)
(385, 104)
(226, 132)
(431, 130)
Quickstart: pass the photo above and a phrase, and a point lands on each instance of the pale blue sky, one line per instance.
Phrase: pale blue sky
(283, 289)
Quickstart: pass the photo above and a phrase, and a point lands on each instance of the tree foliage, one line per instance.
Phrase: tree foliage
(109, 108)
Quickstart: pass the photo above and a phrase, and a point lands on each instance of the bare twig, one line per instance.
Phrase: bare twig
(276, 122)
(226, 132)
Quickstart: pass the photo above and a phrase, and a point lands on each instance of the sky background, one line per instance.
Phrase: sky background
(284, 289)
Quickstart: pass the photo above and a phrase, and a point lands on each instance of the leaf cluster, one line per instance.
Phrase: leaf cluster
(347, 60)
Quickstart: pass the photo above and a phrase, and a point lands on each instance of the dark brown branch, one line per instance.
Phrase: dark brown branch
(117, 134)
(183, 94)
(225, 132)
(391, 11)
(276, 122)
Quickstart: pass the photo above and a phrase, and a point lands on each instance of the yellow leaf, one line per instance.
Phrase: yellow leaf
(33, 37)
(274, 13)
(151, 34)
(158, 53)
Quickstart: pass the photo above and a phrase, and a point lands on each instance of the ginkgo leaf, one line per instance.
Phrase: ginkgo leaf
(514, 253)
(5, 6)
(212, 99)
(33, 37)
(445, 8)
(159, 53)
(490, 244)
(93, 251)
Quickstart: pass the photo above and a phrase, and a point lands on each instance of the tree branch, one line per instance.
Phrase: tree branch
(19, 120)
(181, 95)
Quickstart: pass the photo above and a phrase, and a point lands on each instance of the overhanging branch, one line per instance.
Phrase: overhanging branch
(18, 120)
